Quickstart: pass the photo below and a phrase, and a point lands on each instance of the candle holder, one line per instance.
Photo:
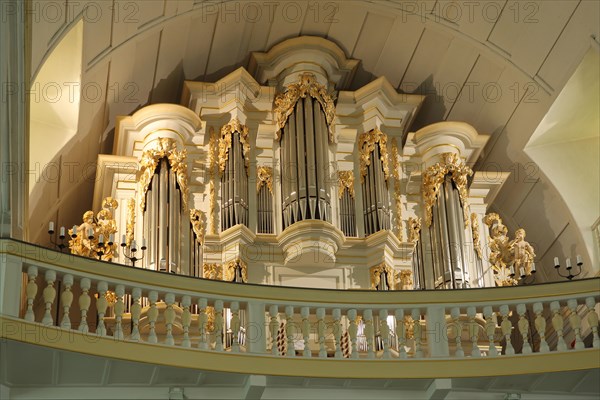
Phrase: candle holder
(524, 277)
(60, 245)
(101, 248)
(569, 268)
(130, 251)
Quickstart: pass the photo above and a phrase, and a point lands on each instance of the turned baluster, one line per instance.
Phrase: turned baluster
(473, 332)
(490, 330)
(218, 325)
(305, 312)
(592, 318)
(540, 326)
(416, 316)
(101, 305)
(558, 325)
(369, 333)
(575, 321)
(186, 320)
(289, 331)
(384, 331)
(66, 299)
(31, 292)
(321, 332)
(119, 308)
(523, 325)
(169, 318)
(337, 332)
(274, 328)
(506, 327)
(202, 324)
(84, 303)
(152, 316)
(401, 333)
(455, 314)
(49, 295)
(136, 312)
(353, 332)
(235, 326)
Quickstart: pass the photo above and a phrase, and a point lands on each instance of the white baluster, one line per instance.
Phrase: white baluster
(289, 331)
(473, 332)
(506, 327)
(235, 326)
(384, 331)
(353, 332)
(524, 328)
(305, 312)
(101, 305)
(592, 318)
(540, 326)
(169, 318)
(337, 332)
(66, 299)
(31, 292)
(490, 330)
(416, 316)
(369, 333)
(119, 308)
(558, 325)
(401, 333)
(152, 316)
(455, 314)
(218, 325)
(575, 321)
(136, 312)
(186, 320)
(321, 332)
(84, 303)
(49, 294)
(274, 328)
(203, 324)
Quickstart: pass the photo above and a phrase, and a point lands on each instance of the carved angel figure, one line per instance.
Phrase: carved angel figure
(522, 252)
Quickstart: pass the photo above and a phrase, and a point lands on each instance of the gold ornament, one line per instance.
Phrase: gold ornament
(366, 145)
(165, 147)
(345, 181)
(212, 271)
(522, 252)
(307, 85)
(375, 273)
(212, 163)
(230, 268)
(197, 221)
(476, 239)
(101, 224)
(405, 278)
(414, 230)
(130, 221)
(265, 177)
(226, 139)
(434, 177)
(398, 223)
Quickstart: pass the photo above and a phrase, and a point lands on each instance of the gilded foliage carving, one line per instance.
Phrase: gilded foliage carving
(414, 230)
(197, 221)
(212, 164)
(103, 223)
(230, 268)
(398, 223)
(366, 145)
(265, 177)
(226, 139)
(434, 177)
(345, 181)
(130, 229)
(306, 86)
(405, 279)
(375, 274)
(476, 239)
(212, 271)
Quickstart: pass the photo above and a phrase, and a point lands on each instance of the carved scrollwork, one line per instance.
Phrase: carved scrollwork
(398, 223)
(225, 142)
(476, 239)
(265, 177)
(345, 181)
(414, 230)
(366, 145)
(165, 147)
(434, 177)
(284, 102)
(230, 268)
(197, 221)
(130, 228)
(375, 273)
(212, 271)
(212, 163)
(405, 279)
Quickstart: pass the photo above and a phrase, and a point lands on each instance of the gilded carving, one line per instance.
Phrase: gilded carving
(230, 268)
(375, 273)
(265, 177)
(285, 102)
(414, 230)
(434, 177)
(345, 181)
(398, 223)
(405, 279)
(226, 139)
(366, 145)
(130, 221)
(212, 163)
(103, 223)
(212, 271)
(476, 239)
(197, 221)
(164, 147)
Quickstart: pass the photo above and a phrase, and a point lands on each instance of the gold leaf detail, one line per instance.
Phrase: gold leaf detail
(226, 139)
(265, 177)
(345, 182)
(366, 145)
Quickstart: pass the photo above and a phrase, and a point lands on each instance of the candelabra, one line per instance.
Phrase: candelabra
(130, 250)
(524, 277)
(101, 248)
(569, 267)
(59, 245)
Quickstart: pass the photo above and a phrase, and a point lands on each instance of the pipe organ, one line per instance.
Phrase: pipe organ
(282, 176)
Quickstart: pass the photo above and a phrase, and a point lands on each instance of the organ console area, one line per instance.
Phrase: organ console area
(284, 173)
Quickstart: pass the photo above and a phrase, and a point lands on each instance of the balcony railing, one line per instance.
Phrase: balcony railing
(64, 301)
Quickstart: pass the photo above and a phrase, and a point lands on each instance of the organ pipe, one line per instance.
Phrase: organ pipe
(234, 180)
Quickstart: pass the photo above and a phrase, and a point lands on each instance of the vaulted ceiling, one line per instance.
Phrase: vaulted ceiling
(497, 65)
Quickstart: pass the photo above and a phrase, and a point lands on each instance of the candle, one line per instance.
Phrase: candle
(90, 233)
(62, 231)
(143, 243)
(133, 246)
(111, 238)
(512, 270)
(532, 267)
(569, 263)
(51, 227)
(579, 260)
(522, 271)
(556, 263)
(123, 240)
(101, 239)
(74, 234)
